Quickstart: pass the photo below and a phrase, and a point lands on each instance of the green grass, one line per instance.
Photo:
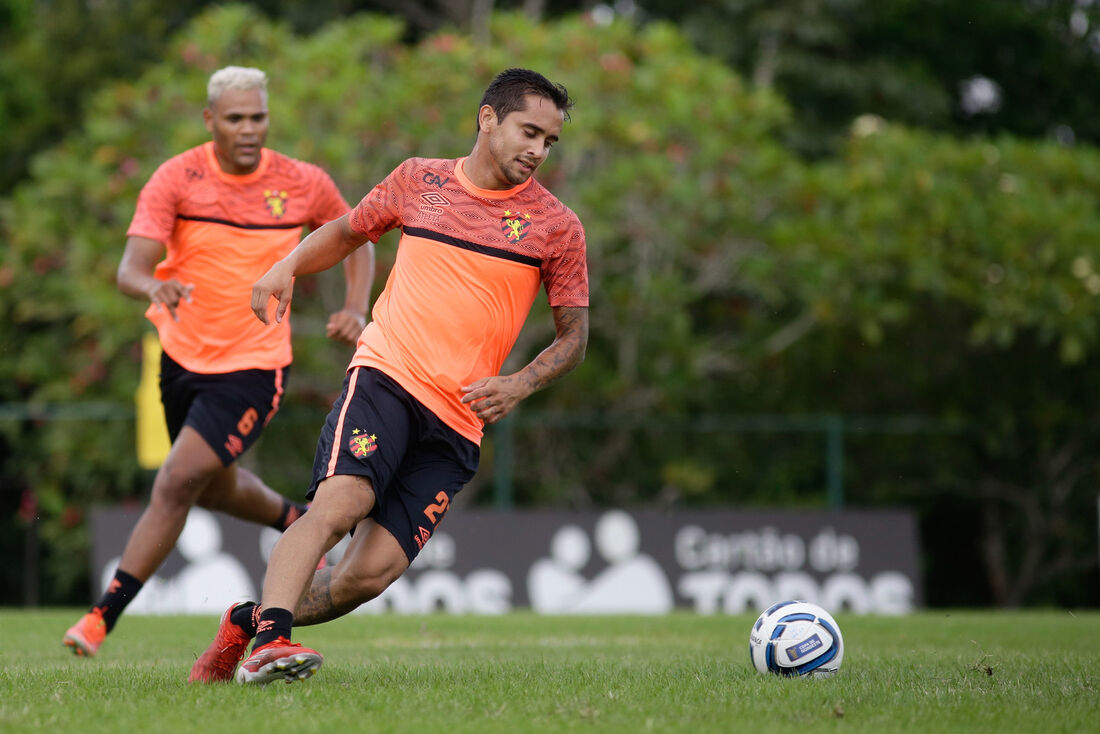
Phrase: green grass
(930, 672)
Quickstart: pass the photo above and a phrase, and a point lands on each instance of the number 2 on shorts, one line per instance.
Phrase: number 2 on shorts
(433, 511)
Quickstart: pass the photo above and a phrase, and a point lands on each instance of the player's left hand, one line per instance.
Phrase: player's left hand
(345, 326)
(278, 282)
(492, 398)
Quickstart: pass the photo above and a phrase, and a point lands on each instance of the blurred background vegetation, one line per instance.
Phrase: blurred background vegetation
(843, 253)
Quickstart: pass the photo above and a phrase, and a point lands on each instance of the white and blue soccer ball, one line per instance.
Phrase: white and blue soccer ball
(796, 638)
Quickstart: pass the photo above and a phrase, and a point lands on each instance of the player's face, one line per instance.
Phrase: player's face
(238, 123)
(521, 141)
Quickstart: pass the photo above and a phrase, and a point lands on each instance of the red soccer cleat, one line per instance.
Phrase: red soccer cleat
(218, 663)
(279, 659)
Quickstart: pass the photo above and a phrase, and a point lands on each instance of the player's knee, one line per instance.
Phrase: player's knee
(370, 588)
(362, 587)
(333, 521)
(210, 501)
(176, 487)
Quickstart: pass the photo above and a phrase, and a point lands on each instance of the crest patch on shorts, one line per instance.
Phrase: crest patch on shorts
(362, 444)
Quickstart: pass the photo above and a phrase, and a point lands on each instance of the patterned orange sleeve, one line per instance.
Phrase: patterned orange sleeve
(380, 210)
(565, 274)
(155, 215)
(328, 202)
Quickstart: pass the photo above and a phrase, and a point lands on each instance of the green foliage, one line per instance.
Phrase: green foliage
(915, 275)
(832, 59)
(925, 275)
(916, 216)
(906, 61)
(358, 114)
(55, 52)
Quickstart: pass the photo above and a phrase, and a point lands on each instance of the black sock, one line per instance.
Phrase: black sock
(291, 512)
(246, 616)
(274, 623)
(120, 592)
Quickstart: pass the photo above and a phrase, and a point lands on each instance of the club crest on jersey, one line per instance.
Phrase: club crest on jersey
(515, 225)
(362, 444)
(276, 202)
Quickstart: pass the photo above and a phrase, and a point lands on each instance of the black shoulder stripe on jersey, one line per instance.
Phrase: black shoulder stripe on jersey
(239, 225)
(472, 246)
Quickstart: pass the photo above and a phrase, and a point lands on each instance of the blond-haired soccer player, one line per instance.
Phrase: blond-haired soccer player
(479, 237)
(209, 222)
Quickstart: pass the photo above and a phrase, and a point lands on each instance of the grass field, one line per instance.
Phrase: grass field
(930, 672)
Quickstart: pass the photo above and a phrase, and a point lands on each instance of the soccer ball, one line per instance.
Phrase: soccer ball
(794, 638)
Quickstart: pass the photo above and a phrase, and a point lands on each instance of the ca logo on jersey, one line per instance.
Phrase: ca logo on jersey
(515, 225)
(276, 202)
(434, 180)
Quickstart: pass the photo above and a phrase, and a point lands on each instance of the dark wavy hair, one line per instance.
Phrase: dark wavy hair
(505, 93)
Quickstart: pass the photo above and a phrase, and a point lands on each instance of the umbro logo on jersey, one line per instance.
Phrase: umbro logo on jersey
(435, 198)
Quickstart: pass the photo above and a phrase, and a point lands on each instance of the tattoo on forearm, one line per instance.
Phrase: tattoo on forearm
(565, 353)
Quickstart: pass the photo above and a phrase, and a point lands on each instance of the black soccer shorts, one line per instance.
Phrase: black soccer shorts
(416, 463)
(229, 410)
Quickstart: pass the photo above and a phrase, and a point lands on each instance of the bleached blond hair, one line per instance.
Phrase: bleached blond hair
(234, 77)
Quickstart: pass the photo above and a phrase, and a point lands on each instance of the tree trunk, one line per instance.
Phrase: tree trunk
(481, 13)
(534, 9)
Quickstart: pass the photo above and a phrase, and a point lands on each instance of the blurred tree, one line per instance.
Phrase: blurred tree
(915, 274)
(634, 177)
(936, 277)
(984, 66)
(56, 51)
(1011, 66)
(54, 54)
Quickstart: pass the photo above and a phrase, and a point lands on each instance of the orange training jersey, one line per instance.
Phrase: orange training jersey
(222, 233)
(469, 265)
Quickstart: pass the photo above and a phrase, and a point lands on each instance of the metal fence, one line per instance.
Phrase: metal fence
(830, 430)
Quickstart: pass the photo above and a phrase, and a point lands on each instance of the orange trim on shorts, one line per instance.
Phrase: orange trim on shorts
(340, 424)
(277, 397)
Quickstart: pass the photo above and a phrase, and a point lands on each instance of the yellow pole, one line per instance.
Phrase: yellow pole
(153, 443)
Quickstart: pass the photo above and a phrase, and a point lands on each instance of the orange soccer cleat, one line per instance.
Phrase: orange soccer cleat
(87, 634)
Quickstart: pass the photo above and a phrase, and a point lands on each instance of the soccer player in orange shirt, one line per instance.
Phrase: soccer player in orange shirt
(479, 236)
(224, 212)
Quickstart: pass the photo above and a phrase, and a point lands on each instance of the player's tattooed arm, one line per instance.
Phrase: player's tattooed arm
(492, 398)
(563, 354)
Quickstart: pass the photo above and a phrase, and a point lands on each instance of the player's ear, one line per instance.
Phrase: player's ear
(486, 118)
(208, 119)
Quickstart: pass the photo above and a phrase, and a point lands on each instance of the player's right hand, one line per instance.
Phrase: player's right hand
(169, 293)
